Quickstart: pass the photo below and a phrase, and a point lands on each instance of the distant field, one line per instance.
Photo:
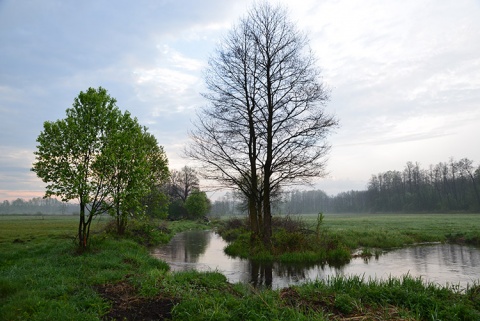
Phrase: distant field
(392, 230)
(27, 228)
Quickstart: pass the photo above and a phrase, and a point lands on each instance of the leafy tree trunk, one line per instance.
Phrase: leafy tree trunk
(121, 223)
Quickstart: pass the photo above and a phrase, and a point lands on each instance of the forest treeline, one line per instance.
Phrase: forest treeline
(38, 206)
(452, 186)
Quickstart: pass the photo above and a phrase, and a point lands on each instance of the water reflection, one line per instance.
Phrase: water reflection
(440, 263)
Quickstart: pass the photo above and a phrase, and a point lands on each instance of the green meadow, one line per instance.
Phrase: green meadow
(396, 230)
(43, 277)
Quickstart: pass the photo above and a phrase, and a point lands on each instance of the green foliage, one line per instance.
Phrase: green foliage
(156, 204)
(148, 233)
(177, 210)
(69, 149)
(101, 157)
(197, 204)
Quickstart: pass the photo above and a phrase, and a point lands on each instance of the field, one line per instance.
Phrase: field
(396, 230)
(42, 277)
(20, 228)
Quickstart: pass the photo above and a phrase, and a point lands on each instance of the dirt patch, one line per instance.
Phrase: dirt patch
(127, 305)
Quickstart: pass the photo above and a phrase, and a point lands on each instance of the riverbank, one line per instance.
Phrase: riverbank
(43, 278)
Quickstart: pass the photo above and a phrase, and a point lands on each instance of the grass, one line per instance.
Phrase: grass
(29, 228)
(396, 230)
(47, 280)
(43, 278)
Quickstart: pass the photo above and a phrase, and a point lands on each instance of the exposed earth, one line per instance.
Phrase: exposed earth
(127, 305)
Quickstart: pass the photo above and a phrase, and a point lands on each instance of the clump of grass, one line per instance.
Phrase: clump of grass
(233, 228)
(207, 296)
(151, 232)
(409, 298)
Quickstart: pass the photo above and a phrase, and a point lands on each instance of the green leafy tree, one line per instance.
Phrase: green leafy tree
(177, 210)
(82, 158)
(197, 204)
(136, 163)
(156, 203)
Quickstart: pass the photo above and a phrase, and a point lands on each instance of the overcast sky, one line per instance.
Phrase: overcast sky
(404, 75)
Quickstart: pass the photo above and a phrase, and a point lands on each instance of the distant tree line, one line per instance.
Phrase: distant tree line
(452, 186)
(38, 206)
(449, 186)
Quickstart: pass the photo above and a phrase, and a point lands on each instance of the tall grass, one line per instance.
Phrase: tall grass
(404, 297)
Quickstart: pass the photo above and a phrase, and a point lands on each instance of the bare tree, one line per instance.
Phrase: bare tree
(183, 182)
(265, 125)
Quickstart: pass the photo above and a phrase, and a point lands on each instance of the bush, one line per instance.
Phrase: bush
(148, 233)
(284, 241)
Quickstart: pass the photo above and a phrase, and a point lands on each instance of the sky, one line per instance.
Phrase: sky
(404, 76)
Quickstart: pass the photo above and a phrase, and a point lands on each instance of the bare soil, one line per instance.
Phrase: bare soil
(127, 305)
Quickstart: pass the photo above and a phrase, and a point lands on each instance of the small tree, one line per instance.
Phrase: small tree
(156, 202)
(98, 156)
(197, 204)
(177, 210)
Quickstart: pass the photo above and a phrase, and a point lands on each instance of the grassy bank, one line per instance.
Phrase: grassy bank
(43, 278)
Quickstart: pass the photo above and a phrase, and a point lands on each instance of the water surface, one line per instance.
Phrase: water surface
(444, 264)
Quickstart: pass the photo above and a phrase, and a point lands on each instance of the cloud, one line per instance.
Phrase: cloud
(404, 75)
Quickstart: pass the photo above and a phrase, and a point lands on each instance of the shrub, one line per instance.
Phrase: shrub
(147, 232)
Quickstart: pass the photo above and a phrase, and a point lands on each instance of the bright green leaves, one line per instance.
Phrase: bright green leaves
(197, 204)
(100, 156)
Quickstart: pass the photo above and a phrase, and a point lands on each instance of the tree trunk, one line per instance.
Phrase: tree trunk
(267, 219)
(252, 213)
(84, 227)
(81, 235)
